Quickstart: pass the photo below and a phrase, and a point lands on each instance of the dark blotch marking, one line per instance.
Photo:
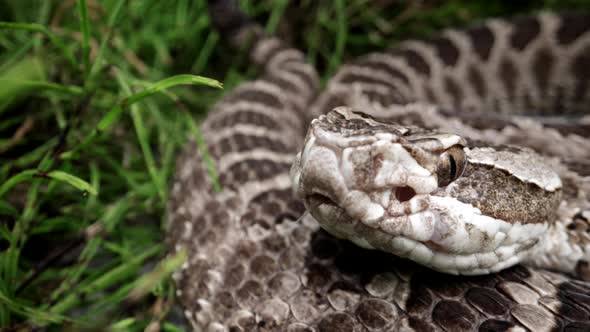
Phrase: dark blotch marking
(559, 106)
(354, 78)
(307, 73)
(477, 81)
(583, 269)
(525, 29)
(430, 95)
(376, 314)
(274, 195)
(453, 316)
(285, 85)
(577, 327)
(420, 301)
(255, 95)
(414, 60)
(482, 40)
(263, 266)
(488, 301)
(495, 325)
(572, 27)
(250, 170)
(387, 98)
(245, 323)
(509, 76)
(225, 300)
(419, 324)
(379, 66)
(447, 51)
(338, 321)
(273, 207)
(334, 100)
(242, 143)
(244, 251)
(318, 276)
(249, 294)
(235, 276)
(454, 90)
(542, 66)
(581, 71)
(564, 307)
(271, 53)
(444, 285)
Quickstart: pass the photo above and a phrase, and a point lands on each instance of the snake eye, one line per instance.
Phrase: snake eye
(451, 165)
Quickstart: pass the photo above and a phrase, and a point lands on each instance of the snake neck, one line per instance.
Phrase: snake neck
(565, 247)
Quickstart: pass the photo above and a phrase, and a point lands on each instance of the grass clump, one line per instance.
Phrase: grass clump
(94, 106)
(91, 120)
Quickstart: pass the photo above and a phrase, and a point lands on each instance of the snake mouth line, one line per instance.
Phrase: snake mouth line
(425, 253)
(405, 203)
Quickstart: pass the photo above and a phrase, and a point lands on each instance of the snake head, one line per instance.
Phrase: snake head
(407, 191)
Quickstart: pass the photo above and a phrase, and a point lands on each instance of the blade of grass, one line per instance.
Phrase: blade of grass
(34, 27)
(143, 138)
(275, 15)
(28, 69)
(73, 181)
(5, 233)
(21, 84)
(85, 29)
(16, 56)
(109, 279)
(168, 327)
(164, 269)
(123, 325)
(16, 179)
(206, 51)
(173, 81)
(38, 316)
(205, 153)
(112, 21)
(341, 35)
(7, 210)
(113, 115)
(57, 175)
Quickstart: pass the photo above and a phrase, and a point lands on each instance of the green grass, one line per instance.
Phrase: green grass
(96, 100)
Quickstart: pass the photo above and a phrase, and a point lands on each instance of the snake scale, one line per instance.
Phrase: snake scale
(258, 262)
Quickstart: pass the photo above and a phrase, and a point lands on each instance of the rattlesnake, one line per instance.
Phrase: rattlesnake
(257, 262)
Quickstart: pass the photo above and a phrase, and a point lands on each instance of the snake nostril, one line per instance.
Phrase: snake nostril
(404, 194)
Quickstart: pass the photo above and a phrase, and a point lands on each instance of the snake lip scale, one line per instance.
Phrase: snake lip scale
(458, 166)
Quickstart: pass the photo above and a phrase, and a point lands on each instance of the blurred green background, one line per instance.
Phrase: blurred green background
(96, 100)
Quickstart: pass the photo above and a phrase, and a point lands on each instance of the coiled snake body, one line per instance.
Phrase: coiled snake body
(257, 262)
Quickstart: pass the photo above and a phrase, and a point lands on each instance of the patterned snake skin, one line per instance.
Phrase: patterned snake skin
(255, 265)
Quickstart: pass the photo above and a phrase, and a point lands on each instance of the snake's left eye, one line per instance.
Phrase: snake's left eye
(451, 165)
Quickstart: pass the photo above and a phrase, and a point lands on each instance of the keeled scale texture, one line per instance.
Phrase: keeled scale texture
(253, 267)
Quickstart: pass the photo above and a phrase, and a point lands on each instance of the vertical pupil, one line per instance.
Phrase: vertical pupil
(453, 167)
